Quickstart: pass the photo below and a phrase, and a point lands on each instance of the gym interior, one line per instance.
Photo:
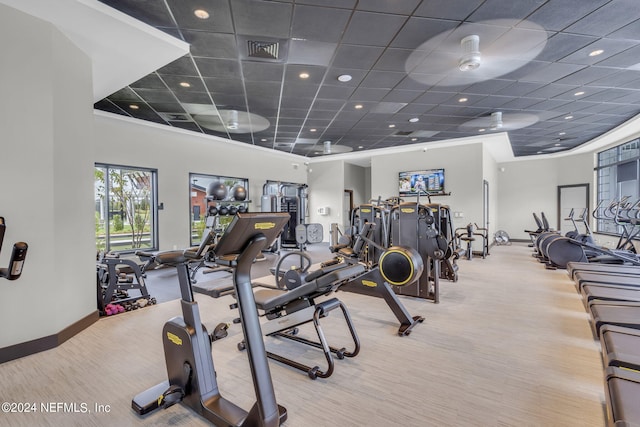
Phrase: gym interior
(468, 328)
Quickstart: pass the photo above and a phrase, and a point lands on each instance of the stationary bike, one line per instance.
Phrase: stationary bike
(187, 345)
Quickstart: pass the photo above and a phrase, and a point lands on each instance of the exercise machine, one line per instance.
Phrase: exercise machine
(18, 256)
(414, 226)
(295, 304)
(187, 345)
(290, 198)
(397, 266)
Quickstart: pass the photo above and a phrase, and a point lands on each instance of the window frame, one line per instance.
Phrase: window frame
(608, 187)
(153, 206)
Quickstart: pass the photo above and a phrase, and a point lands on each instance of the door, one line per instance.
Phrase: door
(574, 197)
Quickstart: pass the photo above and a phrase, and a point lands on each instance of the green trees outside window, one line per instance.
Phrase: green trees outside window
(125, 208)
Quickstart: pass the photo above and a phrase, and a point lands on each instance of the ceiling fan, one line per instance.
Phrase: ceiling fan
(229, 120)
(475, 52)
(500, 122)
(232, 121)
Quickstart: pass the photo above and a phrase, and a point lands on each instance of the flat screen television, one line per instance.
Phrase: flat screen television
(424, 181)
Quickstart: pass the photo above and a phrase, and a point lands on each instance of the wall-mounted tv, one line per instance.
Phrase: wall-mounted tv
(425, 181)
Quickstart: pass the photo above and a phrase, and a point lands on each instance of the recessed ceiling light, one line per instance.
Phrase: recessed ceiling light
(392, 126)
(562, 133)
(568, 117)
(360, 147)
(304, 75)
(579, 93)
(463, 100)
(557, 144)
(201, 13)
(263, 139)
(596, 52)
(312, 130)
(414, 139)
(414, 119)
(539, 152)
(185, 84)
(134, 107)
(358, 106)
(481, 130)
(344, 78)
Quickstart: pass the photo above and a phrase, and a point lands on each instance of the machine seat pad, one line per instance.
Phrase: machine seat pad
(166, 257)
(268, 299)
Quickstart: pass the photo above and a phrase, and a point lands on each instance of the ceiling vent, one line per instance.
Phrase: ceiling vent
(417, 133)
(262, 49)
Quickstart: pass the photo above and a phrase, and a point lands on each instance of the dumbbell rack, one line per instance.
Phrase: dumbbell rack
(113, 284)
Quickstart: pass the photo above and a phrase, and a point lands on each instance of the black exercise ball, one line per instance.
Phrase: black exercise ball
(223, 210)
(233, 210)
(239, 193)
(217, 190)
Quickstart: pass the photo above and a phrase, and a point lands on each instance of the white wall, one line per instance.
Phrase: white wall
(355, 179)
(46, 179)
(463, 177)
(326, 188)
(529, 186)
(176, 153)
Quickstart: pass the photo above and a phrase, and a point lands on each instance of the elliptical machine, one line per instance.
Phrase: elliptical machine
(187, 345)
(18, 255)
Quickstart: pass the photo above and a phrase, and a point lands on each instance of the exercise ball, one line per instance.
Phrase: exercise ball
(223, 210)
(217, 190)
(239, 193)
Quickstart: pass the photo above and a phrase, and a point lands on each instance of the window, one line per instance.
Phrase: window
(126, 209)
(230, 197)
(617, 174)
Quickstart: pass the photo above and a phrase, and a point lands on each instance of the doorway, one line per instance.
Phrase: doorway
(574, 197)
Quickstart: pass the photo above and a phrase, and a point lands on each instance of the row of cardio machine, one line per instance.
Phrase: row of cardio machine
(578, 245)
(611, 295)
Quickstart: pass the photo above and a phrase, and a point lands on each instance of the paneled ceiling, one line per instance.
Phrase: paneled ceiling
(553, 74)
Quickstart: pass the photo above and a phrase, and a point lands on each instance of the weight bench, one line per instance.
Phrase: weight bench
(288, 309)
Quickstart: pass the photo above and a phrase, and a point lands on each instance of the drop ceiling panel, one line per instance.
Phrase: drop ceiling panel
(374, 41)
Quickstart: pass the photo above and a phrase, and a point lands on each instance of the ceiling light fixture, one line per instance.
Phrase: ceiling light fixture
(562, 133)
(201, 13)
(481, 130)
(470, 59)
(134, 107)
(185, 84)
(344, 78)
(579, 93)
(568, 117)
(360, 147)
(557, 144)
(304, 75)
(596, 52)
(414, 139)
(263, 139)
(312, 130)
(358, 106)
(414, 120)
(463, 100)
(392, 126)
